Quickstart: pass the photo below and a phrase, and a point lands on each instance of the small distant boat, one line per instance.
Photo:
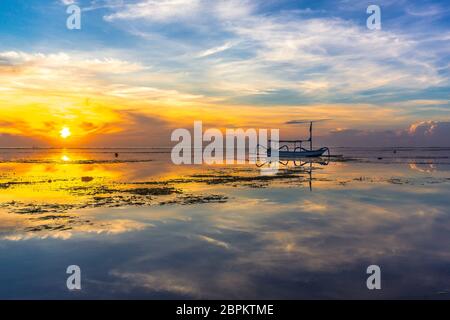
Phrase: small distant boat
(297, 150)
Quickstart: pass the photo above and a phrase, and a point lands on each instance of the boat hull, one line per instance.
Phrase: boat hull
(282, 154)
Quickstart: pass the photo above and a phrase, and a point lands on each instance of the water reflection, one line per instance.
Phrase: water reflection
(152, 230)
(304, 166)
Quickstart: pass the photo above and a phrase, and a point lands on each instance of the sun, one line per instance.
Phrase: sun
(65, 132)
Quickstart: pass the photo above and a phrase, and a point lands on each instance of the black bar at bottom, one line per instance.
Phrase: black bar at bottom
(221, 309)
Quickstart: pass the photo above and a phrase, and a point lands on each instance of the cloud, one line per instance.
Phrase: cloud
(11, 140)
(234, 9)
(68, 2)
(436, 132)
(57, 60)
(322, 58)
(215, 50)
(112, 101)
(421, 134)
(161, 281)
(354, 59)
(66, 228)
(174, 10)
(87, 75)
(215, 242)
(426, 11)
(156, 10)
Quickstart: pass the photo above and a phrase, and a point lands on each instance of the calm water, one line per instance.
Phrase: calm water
(139, 227)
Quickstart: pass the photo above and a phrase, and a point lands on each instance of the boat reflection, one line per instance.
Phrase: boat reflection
(308, 165)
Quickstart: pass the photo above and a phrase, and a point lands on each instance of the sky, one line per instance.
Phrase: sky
(136, 70)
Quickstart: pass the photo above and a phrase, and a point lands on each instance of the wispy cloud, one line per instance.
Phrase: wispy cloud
(170, 10)
(215, 50)
(311, 56)
(428, 11)
(68, 2)
(157, 10)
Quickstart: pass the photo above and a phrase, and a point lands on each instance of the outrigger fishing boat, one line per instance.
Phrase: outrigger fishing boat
(297, 150)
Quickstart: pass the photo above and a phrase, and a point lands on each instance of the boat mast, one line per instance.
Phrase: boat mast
(310, 136)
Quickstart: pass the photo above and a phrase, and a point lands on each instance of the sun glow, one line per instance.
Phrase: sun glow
(65, 133)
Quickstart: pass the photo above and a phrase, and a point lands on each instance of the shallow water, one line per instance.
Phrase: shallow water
(139, 227)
